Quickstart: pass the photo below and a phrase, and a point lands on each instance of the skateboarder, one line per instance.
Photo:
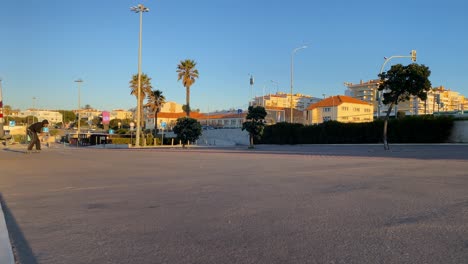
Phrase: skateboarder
(33, 130)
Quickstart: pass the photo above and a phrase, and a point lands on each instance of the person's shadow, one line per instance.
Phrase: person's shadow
(15, 150)
(22, 251)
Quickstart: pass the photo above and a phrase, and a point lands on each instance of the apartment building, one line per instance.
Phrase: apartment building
(121, 114)
(439, 99)
(365, 91)
(52, 116)
(282, 100)
(340, 108)
(88, 114)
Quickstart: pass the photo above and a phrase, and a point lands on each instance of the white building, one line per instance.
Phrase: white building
(52, 116)
(283, 100)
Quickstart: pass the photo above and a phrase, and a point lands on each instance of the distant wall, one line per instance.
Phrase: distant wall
(16, 130)
(224, 137)
(459, 132)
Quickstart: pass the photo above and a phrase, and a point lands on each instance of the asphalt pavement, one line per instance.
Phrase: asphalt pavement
(274, 204)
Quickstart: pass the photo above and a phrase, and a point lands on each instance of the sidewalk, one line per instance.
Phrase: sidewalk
(6, 253)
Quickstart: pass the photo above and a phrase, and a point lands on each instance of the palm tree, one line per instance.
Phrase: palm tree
(155, 101)
(145, 90)
(187, 73)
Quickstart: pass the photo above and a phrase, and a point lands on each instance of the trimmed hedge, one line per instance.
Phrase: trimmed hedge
(412, 129)
(127, 139)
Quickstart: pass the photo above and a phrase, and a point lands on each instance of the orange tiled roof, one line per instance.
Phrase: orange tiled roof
(335, 101)
(198, 115)
(276, 108)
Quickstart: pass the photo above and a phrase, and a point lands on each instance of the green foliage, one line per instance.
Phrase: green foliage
(20, 138)
(145, 90)
(401, 82)
(186, 108)
(121, 140)
(7, 110)
(187, 72)
(68, 116)
(187, 129)
(412, 129)
(53, 132)
(255, 123)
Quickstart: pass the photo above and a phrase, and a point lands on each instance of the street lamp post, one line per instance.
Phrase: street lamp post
(251, 82)
(34, 110)
(292, 78)
(79, 82)
(139, 9)
(380, 93)
(276, 83)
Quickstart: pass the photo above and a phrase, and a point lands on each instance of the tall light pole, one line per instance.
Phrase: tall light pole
(79, 82)
(33, 110)
(2, 133)
(276, 83)
(380, 93)
(139, 9)
(251, 82)
(292, 78)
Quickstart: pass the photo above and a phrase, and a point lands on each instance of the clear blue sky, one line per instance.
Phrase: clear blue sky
(46, 45)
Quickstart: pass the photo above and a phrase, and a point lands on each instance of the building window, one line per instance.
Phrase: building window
(326, 118)
(344, 108)
(356, 109)
(327, 109)
(367, 110)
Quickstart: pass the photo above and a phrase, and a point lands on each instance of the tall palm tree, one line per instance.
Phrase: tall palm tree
(145, 90)
(155, 101)
(187, 73)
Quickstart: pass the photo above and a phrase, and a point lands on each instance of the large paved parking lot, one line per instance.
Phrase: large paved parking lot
(276, 204)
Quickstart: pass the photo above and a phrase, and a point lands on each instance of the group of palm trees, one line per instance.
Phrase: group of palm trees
(186, 72)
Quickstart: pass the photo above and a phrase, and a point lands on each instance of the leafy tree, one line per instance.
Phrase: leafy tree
(88, 106)
(7, 110)
(187, 72)
(186, 108)
(67, 116)
(187, 129)
(114, 123)
(255, 123)
(144, 90)
(155, 101)
(399, 84)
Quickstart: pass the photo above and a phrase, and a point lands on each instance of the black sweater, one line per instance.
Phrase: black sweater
(36, 127)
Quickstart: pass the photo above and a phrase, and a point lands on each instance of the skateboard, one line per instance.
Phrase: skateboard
(32, 151)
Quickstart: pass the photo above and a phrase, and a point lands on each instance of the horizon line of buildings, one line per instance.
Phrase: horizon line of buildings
(359, 104)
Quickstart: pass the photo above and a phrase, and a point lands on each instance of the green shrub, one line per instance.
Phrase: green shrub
(410, 129)
(20, 138)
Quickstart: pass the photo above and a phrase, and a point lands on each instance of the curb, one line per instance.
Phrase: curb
(6, 253)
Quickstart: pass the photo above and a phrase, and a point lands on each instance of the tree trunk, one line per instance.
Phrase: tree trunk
(389, 110)
(251, 141)
(155, 123)
(187, 96)
(141, 112)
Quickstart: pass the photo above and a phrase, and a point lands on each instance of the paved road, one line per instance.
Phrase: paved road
(324, 204)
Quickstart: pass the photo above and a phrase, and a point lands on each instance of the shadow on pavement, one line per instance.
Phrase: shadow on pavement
(14, 150)
(21, 248)
(402, 151)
